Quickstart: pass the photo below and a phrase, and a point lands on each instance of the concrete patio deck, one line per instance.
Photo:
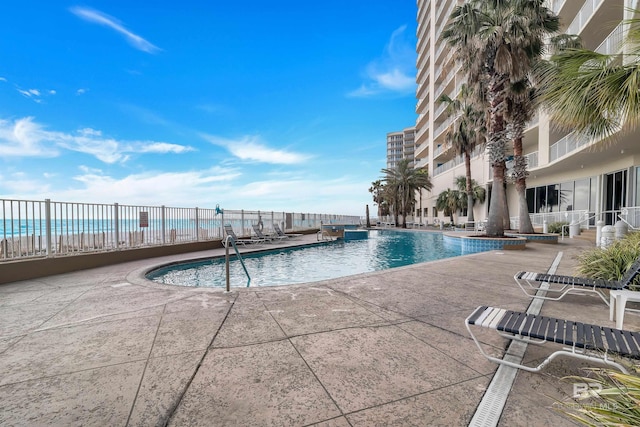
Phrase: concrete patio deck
(105, 347)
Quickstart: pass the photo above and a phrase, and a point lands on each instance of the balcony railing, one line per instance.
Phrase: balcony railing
(556, 5)
(583, 16)
(613, 43)
(566, 145)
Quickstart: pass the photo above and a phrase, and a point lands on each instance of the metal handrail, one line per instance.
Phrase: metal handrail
(226, 261)
(625, 221)
(574, 223)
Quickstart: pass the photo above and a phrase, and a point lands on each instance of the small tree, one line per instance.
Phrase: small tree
(478, 193)
(402, 184)
(451, 201)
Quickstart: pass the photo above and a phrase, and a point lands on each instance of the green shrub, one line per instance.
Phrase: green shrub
(612, 262)
(556, 227)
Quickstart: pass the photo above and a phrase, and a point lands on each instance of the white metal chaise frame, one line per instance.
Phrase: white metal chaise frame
(573, 284)
(582, 341)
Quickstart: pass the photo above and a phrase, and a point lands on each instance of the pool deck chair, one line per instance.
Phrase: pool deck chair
(244, 241)
(269, 238)
(582, 341)
(281, 233)
(530, 283)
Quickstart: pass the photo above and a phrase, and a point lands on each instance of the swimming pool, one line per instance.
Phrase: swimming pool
(382, 250)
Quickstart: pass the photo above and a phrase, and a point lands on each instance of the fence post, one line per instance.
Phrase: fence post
(197, 224)
(242, 222)
(47, 216)
(163, 224)
(116, 226)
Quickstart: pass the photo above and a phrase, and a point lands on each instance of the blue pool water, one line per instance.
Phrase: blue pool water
(382, 250)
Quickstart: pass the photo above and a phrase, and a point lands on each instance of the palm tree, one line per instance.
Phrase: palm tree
(466, 132)
(478, 193)
(403, 181)
(521, 106)
(451, 201)
(497, 42)
(593, 93)
(377, 190)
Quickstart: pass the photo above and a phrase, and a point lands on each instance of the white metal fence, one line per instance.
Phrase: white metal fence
(30, 228)
(586, 219)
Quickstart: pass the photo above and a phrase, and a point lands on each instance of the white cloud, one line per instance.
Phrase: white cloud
(394, 71)
(162, 147)
(26, 138)
(154, 187)
(252, 149)
(100, 18)
(2, 79)
(35, 94)
(81, 91)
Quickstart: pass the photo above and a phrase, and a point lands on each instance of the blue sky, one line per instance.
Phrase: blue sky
(255, 105)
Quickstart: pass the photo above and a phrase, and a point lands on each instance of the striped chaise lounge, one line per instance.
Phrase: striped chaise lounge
(243, 241)
(528, 280)
(581, 340)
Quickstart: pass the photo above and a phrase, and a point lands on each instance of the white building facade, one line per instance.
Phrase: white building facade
(569, 176)
(401, 145)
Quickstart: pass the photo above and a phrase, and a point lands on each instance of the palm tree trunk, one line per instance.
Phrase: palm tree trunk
(496, 147)
(470, 202)
(495, 226)
(368, 219)
(506, 222)
(520, 170)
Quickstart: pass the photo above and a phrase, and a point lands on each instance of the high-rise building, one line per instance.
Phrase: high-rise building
(401, 145)
(568, 174)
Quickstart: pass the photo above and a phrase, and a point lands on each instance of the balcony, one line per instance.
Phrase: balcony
(422, 163)
(532, 160)
(566, 145)
(613, 43)
(556, 5)
(583, 16)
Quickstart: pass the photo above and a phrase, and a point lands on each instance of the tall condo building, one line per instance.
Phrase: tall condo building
(401, 145)
(568, 174)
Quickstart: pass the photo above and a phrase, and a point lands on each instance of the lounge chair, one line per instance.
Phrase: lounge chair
(581, 340)
(270, 238)
(244, 241)
(574, 284)
(280, 233)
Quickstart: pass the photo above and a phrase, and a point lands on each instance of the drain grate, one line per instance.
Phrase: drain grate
(490, 408)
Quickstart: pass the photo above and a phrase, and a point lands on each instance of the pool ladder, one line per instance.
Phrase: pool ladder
(226, 261)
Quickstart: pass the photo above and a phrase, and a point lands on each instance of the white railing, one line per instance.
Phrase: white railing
(631, 216)
(47, 228)
(556, 5)
(422, 163)
(583, 16)
(566, 145)
(613, 43)
(538, 219)
(444, 125)
(457, 161)
(532, 159)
